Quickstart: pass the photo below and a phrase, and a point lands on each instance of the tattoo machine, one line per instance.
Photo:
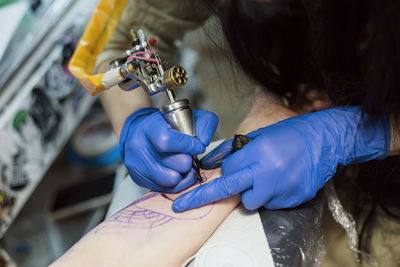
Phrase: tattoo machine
(142, 66)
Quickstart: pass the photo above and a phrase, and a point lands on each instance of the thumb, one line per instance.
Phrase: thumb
(255, 133)
(220, 188)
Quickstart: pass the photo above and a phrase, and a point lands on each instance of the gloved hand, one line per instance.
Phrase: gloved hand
(286, 163)
(159, 157)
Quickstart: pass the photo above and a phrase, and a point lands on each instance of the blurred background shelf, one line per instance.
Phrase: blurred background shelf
(41, 104)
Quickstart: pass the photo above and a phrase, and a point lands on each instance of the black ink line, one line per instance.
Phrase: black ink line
(166, 197)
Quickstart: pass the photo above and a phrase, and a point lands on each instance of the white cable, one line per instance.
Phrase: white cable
(112, 78)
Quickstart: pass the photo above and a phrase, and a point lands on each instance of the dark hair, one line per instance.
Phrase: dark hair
(350, 49)
(347, 48)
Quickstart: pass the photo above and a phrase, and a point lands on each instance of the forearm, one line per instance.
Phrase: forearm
(149, 233)
(119, 104)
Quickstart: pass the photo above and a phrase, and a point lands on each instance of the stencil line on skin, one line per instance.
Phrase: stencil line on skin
(142, 218)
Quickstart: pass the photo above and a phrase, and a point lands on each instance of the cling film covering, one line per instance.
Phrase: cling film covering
(101, 27)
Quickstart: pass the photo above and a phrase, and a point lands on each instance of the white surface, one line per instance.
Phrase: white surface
(240, 238)
(10, 17)
(223, 255)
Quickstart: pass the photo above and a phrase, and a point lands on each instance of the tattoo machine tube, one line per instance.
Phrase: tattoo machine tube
(179, 116)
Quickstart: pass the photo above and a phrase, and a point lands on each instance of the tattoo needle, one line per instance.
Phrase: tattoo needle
(196, 167)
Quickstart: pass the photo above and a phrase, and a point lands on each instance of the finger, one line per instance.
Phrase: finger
(279, 204)
(143, 182)
(217, 189)
(252, 201)
(188, 180)
(181, 163)
(167, 140)
(217, 156)
(237, 161)
(206, 123)
(163, 176)
(288, 200)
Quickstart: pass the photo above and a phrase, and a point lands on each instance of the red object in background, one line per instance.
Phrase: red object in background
(152, 42)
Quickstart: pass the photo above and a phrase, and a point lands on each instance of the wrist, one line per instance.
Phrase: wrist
(352, 135)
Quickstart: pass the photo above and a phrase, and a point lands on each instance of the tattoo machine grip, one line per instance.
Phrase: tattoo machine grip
(179, 116)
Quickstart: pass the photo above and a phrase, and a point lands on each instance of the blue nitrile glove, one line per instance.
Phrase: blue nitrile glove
(159, 157)
(286, 163)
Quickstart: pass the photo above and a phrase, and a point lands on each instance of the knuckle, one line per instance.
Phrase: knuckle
(172, 179)
(229, 186)
(194, 146)
(186, 162)
(163, 143)
(248, 204)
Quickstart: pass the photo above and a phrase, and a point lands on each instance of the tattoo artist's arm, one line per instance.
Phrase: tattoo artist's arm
(149, 233)
(119, 104)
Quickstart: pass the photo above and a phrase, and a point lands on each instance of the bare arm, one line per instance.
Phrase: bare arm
(119, 104)
(149, 233)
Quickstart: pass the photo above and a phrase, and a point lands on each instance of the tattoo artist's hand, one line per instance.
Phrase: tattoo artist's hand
(286, 163)
(157, 156)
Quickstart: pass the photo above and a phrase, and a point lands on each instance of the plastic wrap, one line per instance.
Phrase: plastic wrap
(345, 219)
(101, 27)
(294, 236)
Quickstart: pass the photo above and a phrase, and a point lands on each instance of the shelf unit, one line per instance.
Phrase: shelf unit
(36, 55)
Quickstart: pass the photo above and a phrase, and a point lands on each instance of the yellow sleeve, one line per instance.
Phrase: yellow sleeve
(167, 21)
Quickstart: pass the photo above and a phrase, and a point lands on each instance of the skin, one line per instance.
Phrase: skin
(119, 104)
(109, 244)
